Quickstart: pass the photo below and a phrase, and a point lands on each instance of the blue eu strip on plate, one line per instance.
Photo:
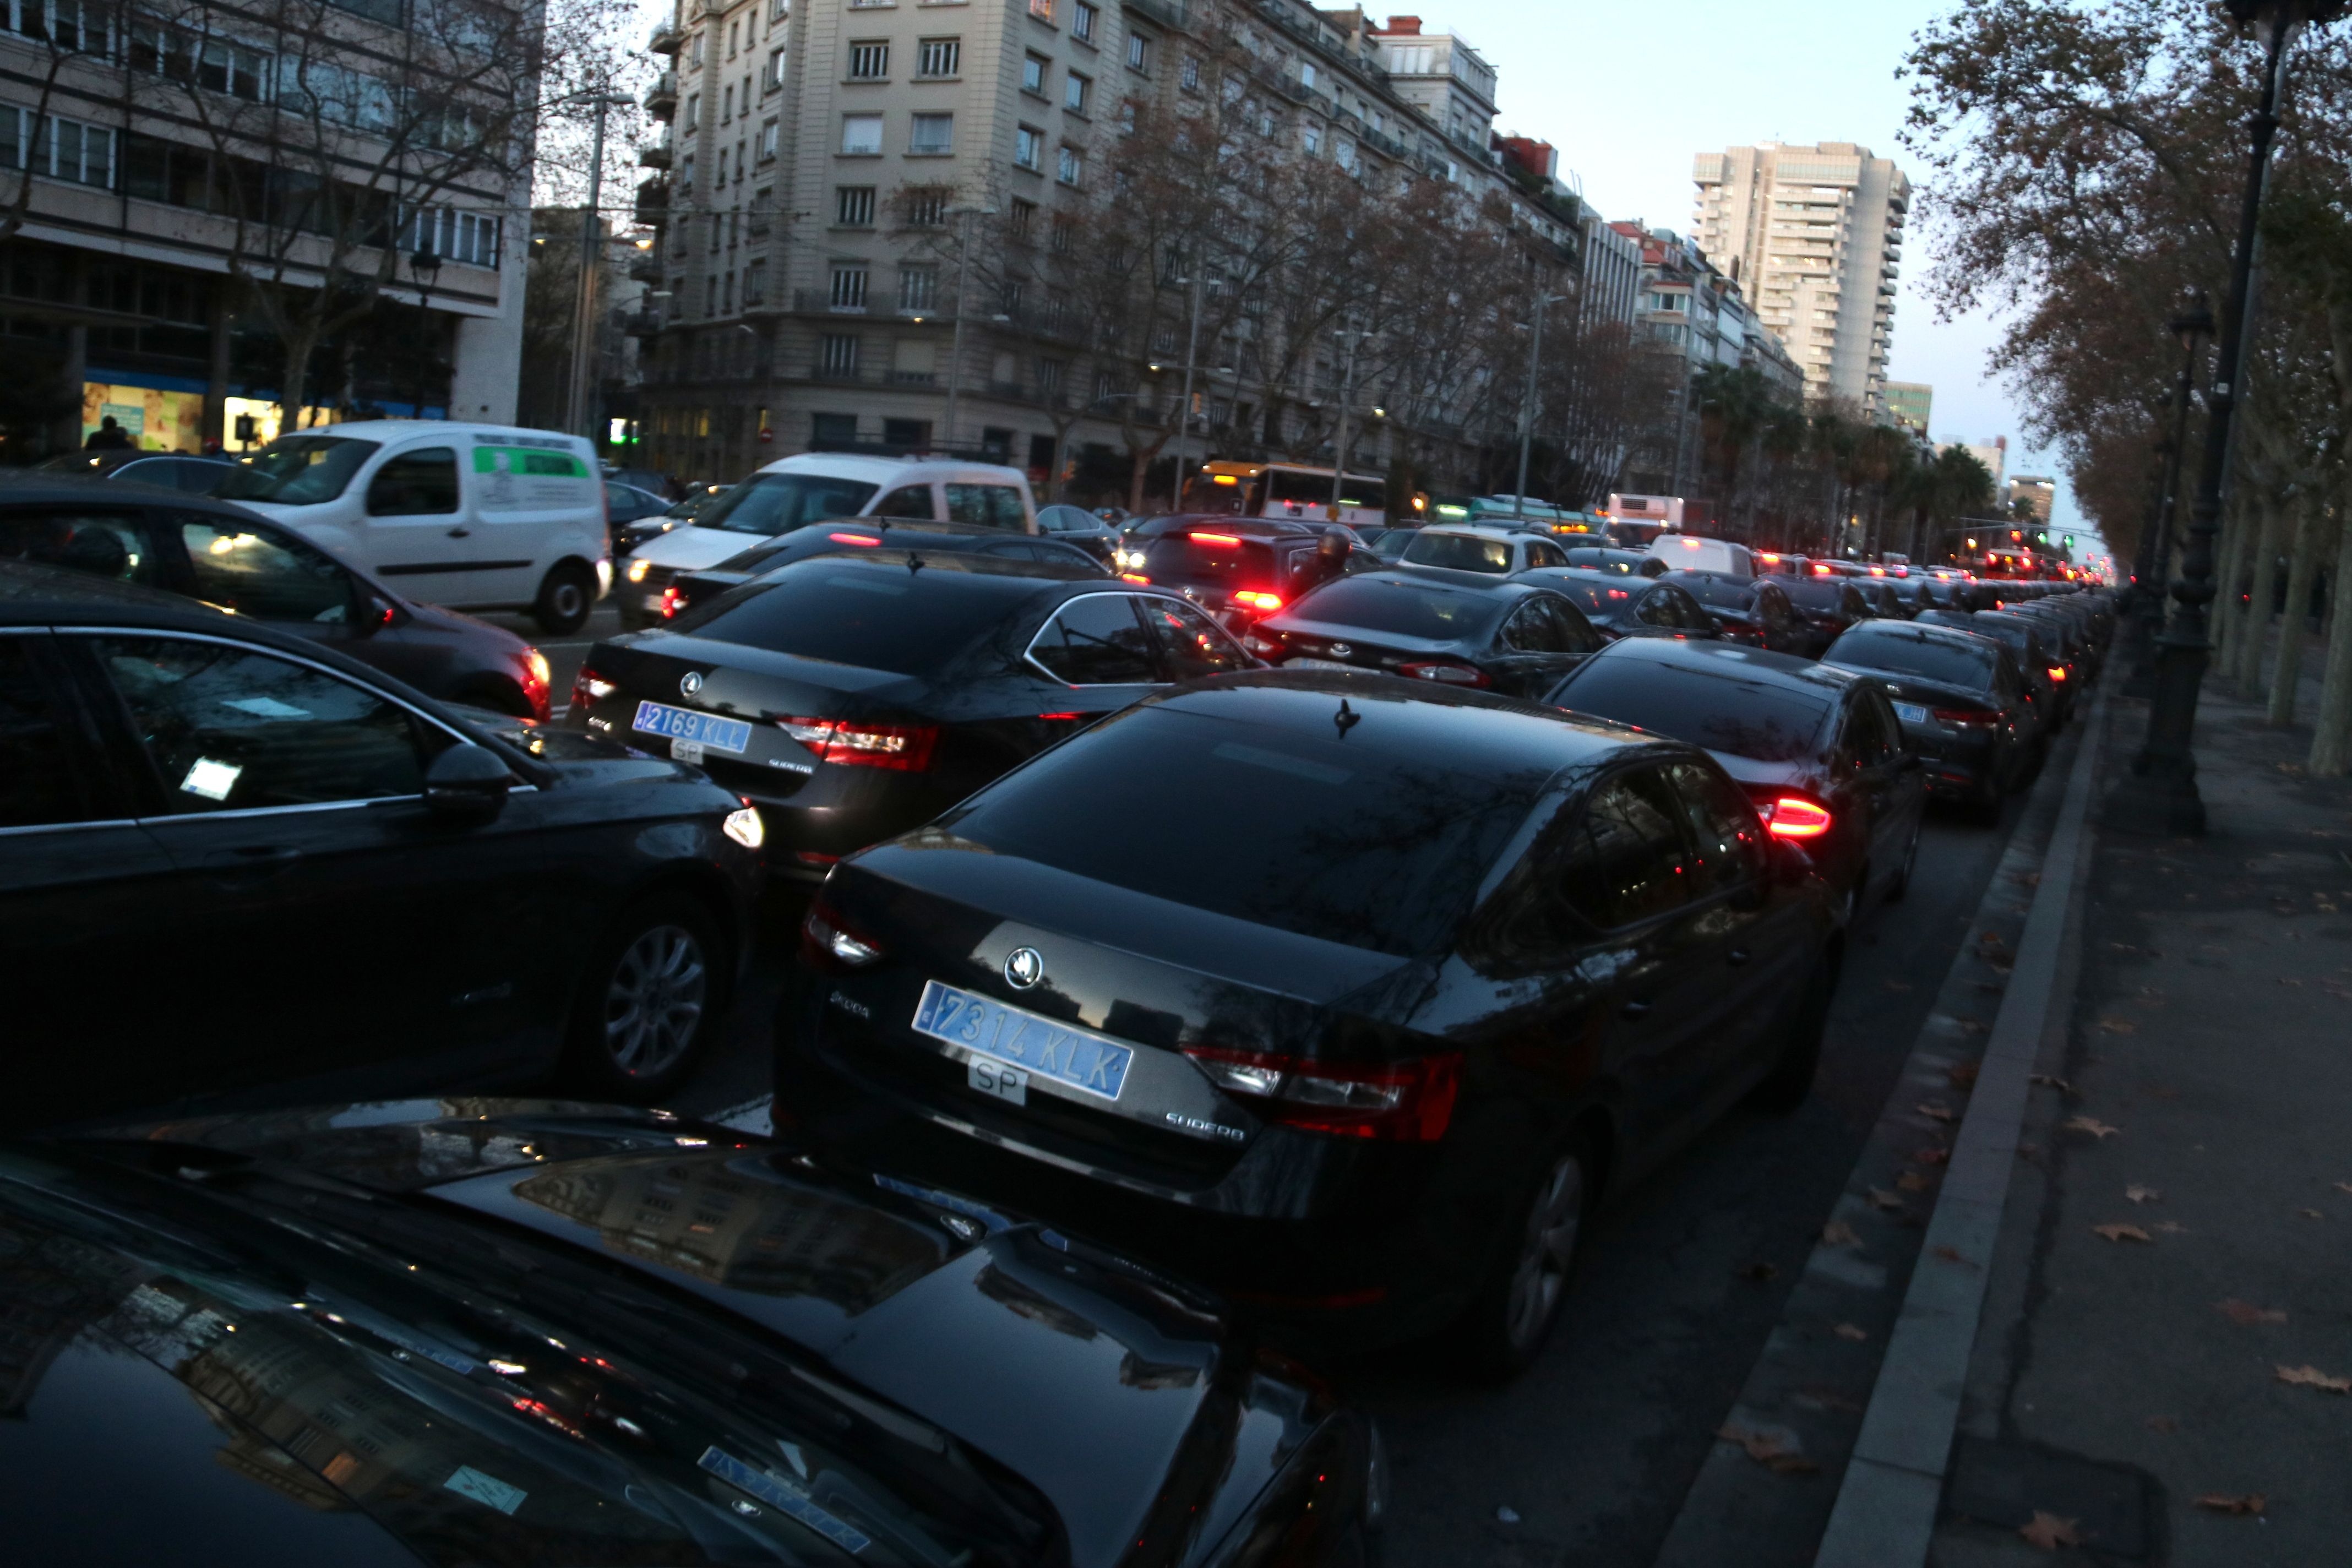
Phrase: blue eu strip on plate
(1042, 1046)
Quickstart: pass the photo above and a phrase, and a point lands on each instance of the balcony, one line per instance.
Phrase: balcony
(819, 302)
(1170, 13)
(914, 378)
(654, 155)
(661, 99)
(666, 39)
(652, 203)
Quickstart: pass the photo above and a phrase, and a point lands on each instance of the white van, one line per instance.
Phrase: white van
(792, 492)
(1689, 552)
(474, 517)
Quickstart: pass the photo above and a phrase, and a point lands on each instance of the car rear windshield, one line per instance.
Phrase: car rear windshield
(1718, 591)
(777, 503)
(297, 470)
(1459, 552)
(1212, 556)
(1947, 660)
(874, 615)
(1382, 604)
(1594, 598)
(1746, 718)
(1302, 833)
(1816, 593)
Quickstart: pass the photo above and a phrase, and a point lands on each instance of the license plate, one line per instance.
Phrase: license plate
(1017, 1037)
(695, 729)
(991, 1076)
(1911, 713)
(1315, 664)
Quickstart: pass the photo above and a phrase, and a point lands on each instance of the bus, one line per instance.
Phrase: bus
(1637, 520)
(1513, 511)
(1294, 490)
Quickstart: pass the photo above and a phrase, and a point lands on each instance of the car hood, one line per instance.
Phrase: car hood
(688, 548)
(936, 1319)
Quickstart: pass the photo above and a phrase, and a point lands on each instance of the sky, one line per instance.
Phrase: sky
(1629, 94)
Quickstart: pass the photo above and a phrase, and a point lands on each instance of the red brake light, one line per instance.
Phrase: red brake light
(2058, 672)
(1135, 577)
(1619, 594)
(1793, 816)
(849, 743)
(1265, 603)
(1214, 538)
(1450, 673)
(1968, 716)
(856, 538)
(829, 942)
(669, 602)
(1408, 1103)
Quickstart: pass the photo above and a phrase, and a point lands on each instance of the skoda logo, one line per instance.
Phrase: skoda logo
(690, 683)
(1341, 649)
(1023, 967)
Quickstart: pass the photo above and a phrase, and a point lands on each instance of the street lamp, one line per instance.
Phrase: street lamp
(424, 266)
(2160, 796)
(2192, 326)
(1354, 338)
(580, 416)
(1544, 303)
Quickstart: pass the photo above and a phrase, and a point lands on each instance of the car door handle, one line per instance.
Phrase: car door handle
(461, 533)
(1736, 957)
(1635, 1010)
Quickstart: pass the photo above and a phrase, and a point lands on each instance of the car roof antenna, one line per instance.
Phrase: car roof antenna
(914, 563)
(1346, 717)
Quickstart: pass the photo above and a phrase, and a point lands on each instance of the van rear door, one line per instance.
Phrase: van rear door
(532, 500)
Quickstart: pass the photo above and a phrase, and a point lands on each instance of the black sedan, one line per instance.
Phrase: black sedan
(1962, 703)
(1619, 563)
(1618, 607)
(1238, 569)
(690, 588)
(1818, 750)
(2046, 682)
(1755, 611)
(226, 555)
(851, 697)
(1397, 984)
(243, 867)
(1454, 627)
(1827, 605)
(186, 472)
(506, 1333)
(1079, 528)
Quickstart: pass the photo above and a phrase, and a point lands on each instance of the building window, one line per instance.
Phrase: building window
(927, 207)
(1189, 76)
(1042, 9)
(694, 53)
(727, 293)
(1311, 139)
(1028, 148)
(686, 174)
(726, 105)
(1034, 69)
(853, 206)
(1063, 233)
(918, 289)
(838, 354)
(869, 61)
(68, 149)
(157, 49)
(1139, 54)
(773, 77)
(734, 30)
(1306, 77)
(767, 134)
(933, 136)
(1022, 219)
(938, 57)
(469, 237)
(693, 111)
(1082, 22)
(1070, 166)
(1049, 377)
(1074, 89)
(755, 284)
(861, 135)
(849, 286)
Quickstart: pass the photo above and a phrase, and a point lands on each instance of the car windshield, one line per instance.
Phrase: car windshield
(1719, 591)
(1212, 555)
(1383, 604)
(1066, 520)
(297, 470)
(2020, 638)
(1459, 552)
(1706, 708)
(872, 614)
(1595, 599)
(778, 503)
(1308, 834)
(1945, 659)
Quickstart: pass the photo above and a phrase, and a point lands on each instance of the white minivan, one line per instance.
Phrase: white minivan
(1689, 552)
(792, 492)
(474, 517)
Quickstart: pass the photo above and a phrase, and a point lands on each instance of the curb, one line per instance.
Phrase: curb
(1886, 1506)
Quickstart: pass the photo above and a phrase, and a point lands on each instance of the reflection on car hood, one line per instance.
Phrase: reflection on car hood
(684, 549)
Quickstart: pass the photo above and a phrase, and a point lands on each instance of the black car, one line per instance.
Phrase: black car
(1454, 627)
(1885, 603)
(1827, 605)
(851, 697)
(690, 588)
(188, 472)
(1609, 558)
(1367, 1065)
(1079, 528)
(226, 555)
(2046, 682)
(1755, 611)
(1817, 749)
(480, 1334)
(1236, 568)
(239, 862)
(1388, 543)
(1962, 703)
(1618, 607)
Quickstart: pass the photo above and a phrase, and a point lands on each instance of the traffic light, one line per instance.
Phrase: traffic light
(2015, 535)
(2070, 542)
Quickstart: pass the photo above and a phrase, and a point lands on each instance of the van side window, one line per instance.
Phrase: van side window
(415, 484)
(908, 501)
(989, 506)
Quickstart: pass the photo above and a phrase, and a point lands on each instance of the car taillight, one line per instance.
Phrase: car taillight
(2058, 672)
(1793, 816)
(1135, 577)
(1214, 538)
(1968, 716)
(535, 680)
(828, 941)
(907, 748)
(1250, 598)
(588, 687)
(1407, 1102)
(1451, 674)
(671, 602)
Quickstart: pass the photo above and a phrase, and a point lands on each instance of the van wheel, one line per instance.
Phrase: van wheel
(565, 599)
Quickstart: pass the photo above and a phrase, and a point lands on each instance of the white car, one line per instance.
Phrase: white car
(474, 517)
(1689, 552)
(813, 486)
(1469, 547)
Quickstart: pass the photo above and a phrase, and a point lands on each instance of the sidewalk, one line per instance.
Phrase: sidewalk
(2175, 1390)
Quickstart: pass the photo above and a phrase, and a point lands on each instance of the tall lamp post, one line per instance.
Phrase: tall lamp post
(1355, 339)
(2160, 795)
(1544, 303)
(2192, 327)
(424, 266)
(581, 415)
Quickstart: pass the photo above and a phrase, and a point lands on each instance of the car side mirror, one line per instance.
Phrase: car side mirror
(466, 784)
(380, 612)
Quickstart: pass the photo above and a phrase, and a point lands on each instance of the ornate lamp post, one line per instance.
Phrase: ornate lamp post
(2192, 327)
(424, 266)
(2160, 795)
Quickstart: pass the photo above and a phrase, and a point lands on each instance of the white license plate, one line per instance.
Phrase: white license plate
(1009, 1084)
(1911, 713)
(1315, 664)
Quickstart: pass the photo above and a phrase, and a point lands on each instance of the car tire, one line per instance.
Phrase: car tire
(565, 597)
(1507, 1323)
(1902, 883)
(1798, 1056)
(650, 1001)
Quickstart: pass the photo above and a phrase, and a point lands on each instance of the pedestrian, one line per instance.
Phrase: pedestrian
(108, 437)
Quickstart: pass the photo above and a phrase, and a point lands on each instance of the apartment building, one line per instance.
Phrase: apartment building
(1909, 405)
(840, 182)
(2038, 491)
(189, 192)
(1688, 308)
(1612, 272)
(1815, 235)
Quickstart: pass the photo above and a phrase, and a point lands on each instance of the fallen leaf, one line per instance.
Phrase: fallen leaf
(1990, 939)
(1757, 1272)
(1952, 1255)
(2251, 1503)
(2090, 1125)
(1969, 1025)
(1850, 1331)
(1879, 1199)
(1935, 1113)
(2123, 1233)
(1963, 1076)
(2247, 1314)
(1913, 1182)
(2344, 1186)
(1766, 1449)
(2162, 1424)
(2166, 1228)
(2140, 1195)
(1830, 1399)
(2119, 1025)
(2028, 878)
(2312, 1377)
(1837, 1233)
(1932, 1155)
(2050, 1533)
(2046, 1081)
(2288, 980)
(2311, 1214)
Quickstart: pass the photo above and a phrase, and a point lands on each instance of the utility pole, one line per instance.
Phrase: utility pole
(1347, 391)
(955, 347)
(579, 413)
(1185, 409)
(1528, 405)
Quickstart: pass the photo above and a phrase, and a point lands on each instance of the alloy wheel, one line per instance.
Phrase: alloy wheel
(1546, 1251)
(567, 600)
(654, 1002)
